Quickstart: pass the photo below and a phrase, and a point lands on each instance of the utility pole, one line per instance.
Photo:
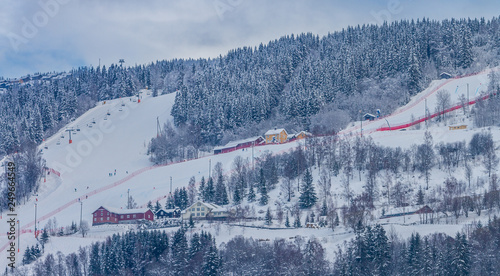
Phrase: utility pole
(388, 124)
(158, 127)
(128, 199)
(425, 112)
(209, 167)
(170, 185)
(36, 236)
(467, 99)
(253, 166)
(360, 114)
(81, 211)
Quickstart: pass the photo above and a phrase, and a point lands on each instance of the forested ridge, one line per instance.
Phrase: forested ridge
(287, 81)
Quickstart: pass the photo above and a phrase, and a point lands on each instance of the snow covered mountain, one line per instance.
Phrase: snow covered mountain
(107, 159)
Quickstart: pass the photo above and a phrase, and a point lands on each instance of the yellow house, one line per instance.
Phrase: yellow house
(204, 210)
(302, 135)
(458, 127)
(274, 136)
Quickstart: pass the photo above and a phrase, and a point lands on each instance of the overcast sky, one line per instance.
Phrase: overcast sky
(58, 35)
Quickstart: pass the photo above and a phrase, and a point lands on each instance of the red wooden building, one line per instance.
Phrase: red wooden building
(240, 144)
(108, 215)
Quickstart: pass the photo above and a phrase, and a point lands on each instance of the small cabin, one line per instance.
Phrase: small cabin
(369, 117)
(458, 127)
(168, 213)
(445, 76)
(276, 136)
(407, 211)
(313, 225)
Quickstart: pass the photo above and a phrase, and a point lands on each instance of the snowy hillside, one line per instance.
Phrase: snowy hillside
(107, 158)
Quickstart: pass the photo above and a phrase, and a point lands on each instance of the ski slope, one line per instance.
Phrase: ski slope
(415, 109)
(98, 149)
(118, 141)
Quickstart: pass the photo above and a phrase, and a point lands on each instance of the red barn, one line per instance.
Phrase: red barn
(110, 215)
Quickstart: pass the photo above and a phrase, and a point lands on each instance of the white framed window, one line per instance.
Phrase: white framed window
(203, 208)
(202, 214)
(107, 218)
(121, 216)
(197, 214)
(133, 216)
(102, 219)
(128, 216)
(95, 219)
(198, 209)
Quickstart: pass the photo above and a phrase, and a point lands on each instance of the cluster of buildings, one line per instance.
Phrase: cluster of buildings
(199, 210)
(273, 136)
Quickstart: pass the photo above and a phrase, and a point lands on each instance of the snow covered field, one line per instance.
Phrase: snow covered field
(118, 141)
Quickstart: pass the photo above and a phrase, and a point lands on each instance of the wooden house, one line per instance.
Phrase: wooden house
(458, 127)
(239, 144)
(203, 210)
(276, 136)
(369, 117)
(445, 76)
(168, 213)
(407, 211)
(109, 215)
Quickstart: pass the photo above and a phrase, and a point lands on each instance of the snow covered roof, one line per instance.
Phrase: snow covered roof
(211, 206)
(369, 115)
(237, 142)
(125, 211)
(168, 210)
(275, 131)
(403, 210)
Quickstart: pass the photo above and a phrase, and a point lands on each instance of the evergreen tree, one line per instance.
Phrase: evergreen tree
(382, 254)
(461, 260)
(170, 204)
(191, 221)
(287, 220)
(414, 74)
(150, 205)
(236, 196)
(296, 222)
(210, 191)
(183, 198)
(324, 208)
(308, 196)
(202, 189)
(220, 191)
(211, 262)
(44, 238)
(95, 263)
(264, 198)
(269, 217)
(251, 194)
(27, 257)
(420, 196)
(157, 206)
(179, 252)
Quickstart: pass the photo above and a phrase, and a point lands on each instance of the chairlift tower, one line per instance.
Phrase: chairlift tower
(69, 130)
